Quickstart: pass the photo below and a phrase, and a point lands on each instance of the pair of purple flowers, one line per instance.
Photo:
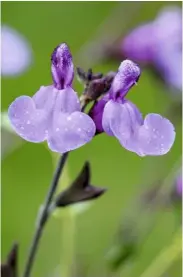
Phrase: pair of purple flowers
(54, 113)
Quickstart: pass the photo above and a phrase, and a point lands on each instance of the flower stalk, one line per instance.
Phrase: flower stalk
(44, 215)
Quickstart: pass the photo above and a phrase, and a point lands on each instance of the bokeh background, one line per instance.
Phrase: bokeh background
(85, 234)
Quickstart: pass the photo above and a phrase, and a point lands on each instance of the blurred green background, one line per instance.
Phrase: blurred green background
(27, 171)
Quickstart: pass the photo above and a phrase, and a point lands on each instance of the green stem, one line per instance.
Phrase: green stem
(67, 220)
(166, 257)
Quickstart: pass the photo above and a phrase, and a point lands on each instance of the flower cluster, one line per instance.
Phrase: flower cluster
(159, 43)
(54, 113)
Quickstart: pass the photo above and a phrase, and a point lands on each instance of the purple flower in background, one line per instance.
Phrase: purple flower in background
(16, 53)
(159, 43)
(54, 112)
(179, 185)
(119, 117)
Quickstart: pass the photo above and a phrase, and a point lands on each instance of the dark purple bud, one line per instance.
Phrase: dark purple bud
(80, 190)
(97, 88)
(95, 85)
(87, 77)
(10, 267)
(81, 74)
(62, 67)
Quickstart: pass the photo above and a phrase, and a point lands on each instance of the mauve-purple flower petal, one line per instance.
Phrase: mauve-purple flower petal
(127, 75)
(168, 26)
(122, 121)
(96, 112)
(28, 122)
(62, 67)
(169, 63)
(45, 98)
(138, 44)
(67, 101)
(168, 58)
(70, 131)
(156, 136)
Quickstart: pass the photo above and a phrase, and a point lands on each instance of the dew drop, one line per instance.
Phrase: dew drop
(79, 129)
(28, 122)
(57, 129)
(26, 112)
(22, 128)
(69, 118)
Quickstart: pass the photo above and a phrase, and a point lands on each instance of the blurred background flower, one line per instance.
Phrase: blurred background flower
(16, 52)
(16, 58)
(159, 43)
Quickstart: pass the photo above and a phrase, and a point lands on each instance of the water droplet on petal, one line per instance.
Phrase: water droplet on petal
(22, 128)
(57, 129)
(79, 129)
(69, 118)
(27, 112)
(28, 121)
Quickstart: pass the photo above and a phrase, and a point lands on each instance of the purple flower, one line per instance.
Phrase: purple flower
(119, 117)
(16, 52)
(179, 185)
(54, 112)
(159, 43)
